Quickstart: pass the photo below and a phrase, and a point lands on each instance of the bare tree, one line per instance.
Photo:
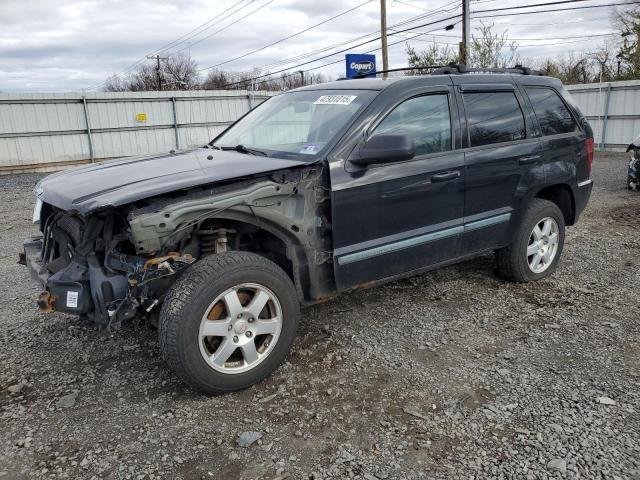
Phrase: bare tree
(492, 50)
(603, 61)
(177, 72)
(180, 73)
(487, 51)
(219, 79)
(433, 55)
(571, 69)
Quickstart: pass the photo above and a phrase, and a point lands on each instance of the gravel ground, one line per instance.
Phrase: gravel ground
(452, 374)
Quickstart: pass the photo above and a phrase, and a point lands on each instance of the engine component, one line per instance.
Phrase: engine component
(213, 240)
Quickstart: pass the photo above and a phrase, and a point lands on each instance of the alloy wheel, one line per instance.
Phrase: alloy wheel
(543, 245)
(240, 328)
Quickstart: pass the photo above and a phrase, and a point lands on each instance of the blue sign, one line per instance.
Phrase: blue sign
(360, 64)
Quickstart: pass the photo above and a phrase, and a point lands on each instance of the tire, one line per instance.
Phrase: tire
(204, 298)
(513, 261)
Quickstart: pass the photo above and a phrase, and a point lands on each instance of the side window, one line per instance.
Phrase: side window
(425, 119)
(551, 112)
(493, 117)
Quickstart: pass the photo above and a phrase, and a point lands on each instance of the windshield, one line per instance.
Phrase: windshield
(295, 124)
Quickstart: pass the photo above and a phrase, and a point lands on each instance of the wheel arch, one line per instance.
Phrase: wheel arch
(290, 252)
(562, 195)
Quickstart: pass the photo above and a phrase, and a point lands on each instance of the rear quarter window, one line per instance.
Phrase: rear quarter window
(553, 115)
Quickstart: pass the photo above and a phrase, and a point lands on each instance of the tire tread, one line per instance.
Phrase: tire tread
(176, 301)
(509, 262)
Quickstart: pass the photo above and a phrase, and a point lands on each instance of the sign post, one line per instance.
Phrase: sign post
(360, 64)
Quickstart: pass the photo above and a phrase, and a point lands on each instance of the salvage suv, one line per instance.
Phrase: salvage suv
(317, 191)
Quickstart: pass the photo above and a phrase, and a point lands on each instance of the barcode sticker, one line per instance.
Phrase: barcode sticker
(335, 99)
(72, 299)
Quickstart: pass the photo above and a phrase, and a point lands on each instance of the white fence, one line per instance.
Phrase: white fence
(46, 132)
(613, 110)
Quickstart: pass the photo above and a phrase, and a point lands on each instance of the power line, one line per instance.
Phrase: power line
(336, 53)
(547, 24)
(542, 39)
(206, 25)
(345, 50)
(230, 25)
(185, 37)
(558, 2)
(556, 10)
(288, 37)
(423, 33)
(326, 48)
(401, 31)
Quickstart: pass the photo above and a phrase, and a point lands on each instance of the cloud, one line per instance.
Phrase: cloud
(69, 45)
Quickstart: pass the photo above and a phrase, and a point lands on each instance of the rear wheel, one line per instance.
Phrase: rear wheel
(538, 243)
(228, 322)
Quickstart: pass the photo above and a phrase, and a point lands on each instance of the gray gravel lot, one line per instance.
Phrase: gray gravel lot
(452, 374)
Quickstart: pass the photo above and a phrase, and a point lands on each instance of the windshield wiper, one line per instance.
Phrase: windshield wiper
(243, 149)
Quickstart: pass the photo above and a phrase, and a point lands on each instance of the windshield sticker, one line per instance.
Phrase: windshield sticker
(310, 149)
(335, 100)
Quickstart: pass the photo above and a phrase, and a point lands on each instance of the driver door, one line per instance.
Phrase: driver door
(397, 217)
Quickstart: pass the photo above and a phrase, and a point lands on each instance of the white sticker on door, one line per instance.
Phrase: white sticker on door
(335, 99)
(72, 299)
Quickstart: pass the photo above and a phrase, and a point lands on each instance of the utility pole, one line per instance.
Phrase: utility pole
(301, 72)
(464, 44)
(157, 58)
(383, 36)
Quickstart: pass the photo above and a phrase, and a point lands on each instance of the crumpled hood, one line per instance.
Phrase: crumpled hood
(119, 182)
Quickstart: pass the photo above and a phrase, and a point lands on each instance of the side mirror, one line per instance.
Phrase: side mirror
(385, 149)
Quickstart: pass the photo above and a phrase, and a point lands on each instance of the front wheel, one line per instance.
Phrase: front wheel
(537, 245)
(228, 322)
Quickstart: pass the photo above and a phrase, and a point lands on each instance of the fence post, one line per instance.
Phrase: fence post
(605, 116)
(86, 119)
(250, 99)
(175, 121)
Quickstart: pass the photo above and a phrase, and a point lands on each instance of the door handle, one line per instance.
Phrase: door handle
(444, 177)
(529, 159)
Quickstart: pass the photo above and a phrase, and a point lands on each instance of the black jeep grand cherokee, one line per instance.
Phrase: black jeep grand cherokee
(317, 191)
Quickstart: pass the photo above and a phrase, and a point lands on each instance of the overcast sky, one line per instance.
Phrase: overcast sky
(68, 45)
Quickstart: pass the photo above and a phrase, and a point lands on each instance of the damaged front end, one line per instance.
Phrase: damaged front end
(88, 267)
(113, 263)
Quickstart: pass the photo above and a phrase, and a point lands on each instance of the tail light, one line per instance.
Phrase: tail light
(588, 143)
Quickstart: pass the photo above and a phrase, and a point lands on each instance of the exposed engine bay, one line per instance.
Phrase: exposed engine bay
(116, 262)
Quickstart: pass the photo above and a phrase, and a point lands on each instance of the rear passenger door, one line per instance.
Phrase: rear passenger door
(502, 161)
(560, 137)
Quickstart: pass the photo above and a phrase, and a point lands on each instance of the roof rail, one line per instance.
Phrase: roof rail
(456, 69)
(403, 69)
(452, 69)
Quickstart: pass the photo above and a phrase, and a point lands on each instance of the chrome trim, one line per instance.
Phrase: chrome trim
(585, 183)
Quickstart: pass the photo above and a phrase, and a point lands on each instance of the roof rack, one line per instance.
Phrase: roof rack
(403, 69)
(455, 69)
(458, 68)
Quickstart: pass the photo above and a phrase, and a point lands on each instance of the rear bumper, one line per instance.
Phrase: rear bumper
(582, 195)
